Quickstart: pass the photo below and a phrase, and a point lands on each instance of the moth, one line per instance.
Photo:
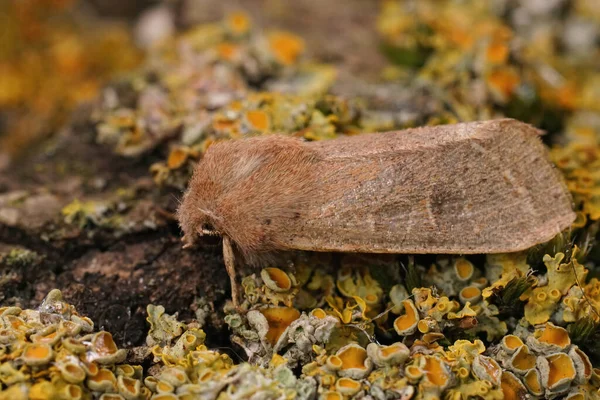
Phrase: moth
(477, 187)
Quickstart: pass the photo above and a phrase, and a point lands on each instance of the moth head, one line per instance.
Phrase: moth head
(199, 225)
(204, 233)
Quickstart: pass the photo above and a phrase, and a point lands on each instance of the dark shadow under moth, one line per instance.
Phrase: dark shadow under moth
(477, 187)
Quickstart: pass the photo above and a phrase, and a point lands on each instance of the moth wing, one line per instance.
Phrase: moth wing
(483, 187)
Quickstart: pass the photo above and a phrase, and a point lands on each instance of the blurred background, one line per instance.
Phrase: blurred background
(536, 60)
(56, 54)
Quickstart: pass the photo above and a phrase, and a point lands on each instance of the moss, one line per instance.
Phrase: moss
(508, 298)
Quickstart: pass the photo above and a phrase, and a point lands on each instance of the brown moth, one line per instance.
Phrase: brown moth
(478, 187)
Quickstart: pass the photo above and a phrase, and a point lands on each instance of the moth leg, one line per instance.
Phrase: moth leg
(229, 259)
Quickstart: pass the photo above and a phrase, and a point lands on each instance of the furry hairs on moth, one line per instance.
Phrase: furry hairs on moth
(477, 187)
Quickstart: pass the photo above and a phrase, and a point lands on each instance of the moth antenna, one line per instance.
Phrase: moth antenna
(381, 314)
(529, 273)
(384, 312)
(177, 200)
(165, 214)
(240, 359)
(372, 339)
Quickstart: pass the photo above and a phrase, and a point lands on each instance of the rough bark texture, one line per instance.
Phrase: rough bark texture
(107, 273)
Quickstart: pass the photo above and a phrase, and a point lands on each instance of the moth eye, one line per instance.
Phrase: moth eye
(206, 228)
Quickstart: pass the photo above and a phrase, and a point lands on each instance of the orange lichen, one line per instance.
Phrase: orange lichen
(413, 373)
(511, 342)
(90, 368)
(497, 52)
(435, 371)
(35, 354)
(104, 380)
(423, 326)
(329, 395)
(470, 294)
(432, 337)
(258, 120)
(347, 386)
(176, 158)
(334, 362)
(576, 396)
(488, 369)
(286, 47)
(387, 351)
(73, 392)
(103, 344)
(50, 337)
(582, 363)
(511, 386)
(523, 360)
(165, 396)
(371, 299)
(553, 334)
(162, 386)
(279, 318)
(222, 124)
(352, 357)
(504, 81)
(276, 279)
(349, 383)
(72, 372)
(566, 95)
(406, 324)
(561, 368)
(464, 269)
(50, 62)
(532, 381)
(318, 313)
(129, 387)
(227, 51)
(15, 322)
(238, 23)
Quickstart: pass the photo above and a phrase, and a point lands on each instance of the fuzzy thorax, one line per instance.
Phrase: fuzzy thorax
(251, 191)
